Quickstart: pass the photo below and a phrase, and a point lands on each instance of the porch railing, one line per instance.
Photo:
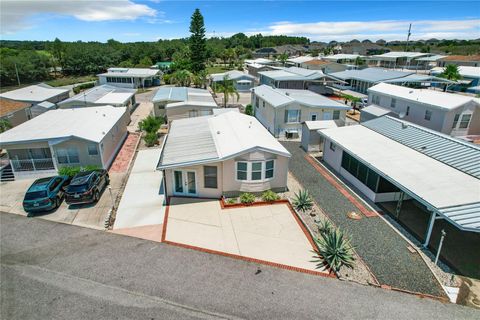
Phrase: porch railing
(32, 164)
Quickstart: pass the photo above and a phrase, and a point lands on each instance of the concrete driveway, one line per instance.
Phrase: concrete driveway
(267, 233)
(142, 199)
(88, 215)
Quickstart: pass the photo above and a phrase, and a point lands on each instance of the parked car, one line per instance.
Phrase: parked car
(45, 194)
(86, 187)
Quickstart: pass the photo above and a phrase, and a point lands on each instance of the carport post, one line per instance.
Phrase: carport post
(430, 228)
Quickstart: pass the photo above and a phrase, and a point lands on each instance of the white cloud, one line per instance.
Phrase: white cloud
(19, 14)
(374, 30)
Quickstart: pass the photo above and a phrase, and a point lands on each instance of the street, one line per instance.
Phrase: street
(57, 271)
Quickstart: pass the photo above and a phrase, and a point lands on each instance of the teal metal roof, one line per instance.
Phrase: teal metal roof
(458, 154)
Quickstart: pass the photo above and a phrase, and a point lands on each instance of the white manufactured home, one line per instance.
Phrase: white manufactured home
(282, 111)
(222, 155)
(449, 113)
(66, 137)
(131, 77)
(427, 181)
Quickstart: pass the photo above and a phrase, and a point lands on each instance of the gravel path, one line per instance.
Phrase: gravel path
(383, 250)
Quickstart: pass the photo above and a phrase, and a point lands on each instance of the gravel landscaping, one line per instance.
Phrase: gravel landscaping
(382, 249)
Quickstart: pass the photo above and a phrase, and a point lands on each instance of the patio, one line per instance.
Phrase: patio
(265, 234)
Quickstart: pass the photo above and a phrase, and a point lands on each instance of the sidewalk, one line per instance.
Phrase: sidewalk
(382, 249)
(142, 200)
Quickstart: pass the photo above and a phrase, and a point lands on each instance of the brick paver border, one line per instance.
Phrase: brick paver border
(330, 274)
(366, 212)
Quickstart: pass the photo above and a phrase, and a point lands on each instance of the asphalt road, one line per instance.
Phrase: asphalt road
(55, 271)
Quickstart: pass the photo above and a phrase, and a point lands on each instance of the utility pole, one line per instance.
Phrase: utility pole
(16, 72)
(408, 36)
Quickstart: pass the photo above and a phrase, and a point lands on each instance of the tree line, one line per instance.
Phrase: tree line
(42, 60)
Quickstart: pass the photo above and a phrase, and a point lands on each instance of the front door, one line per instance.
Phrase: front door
(184, 183)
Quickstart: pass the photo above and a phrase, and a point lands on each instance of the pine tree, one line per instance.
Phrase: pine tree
(197, 42)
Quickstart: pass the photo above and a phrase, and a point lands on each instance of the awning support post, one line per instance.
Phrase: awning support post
(430, 228)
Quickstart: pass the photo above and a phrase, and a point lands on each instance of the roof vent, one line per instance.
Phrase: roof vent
(287, 93)
(218, 132)
(404, 125)
(103, 132)
(423, 148)
(104, 115)
(411, 91)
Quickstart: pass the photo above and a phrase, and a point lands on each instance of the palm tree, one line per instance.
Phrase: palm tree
(182, 78)
(283, 58)
(452, 73)
(200, 79)
(227, 87)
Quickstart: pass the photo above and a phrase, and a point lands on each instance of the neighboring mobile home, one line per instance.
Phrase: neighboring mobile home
(241, 80)
(282, 111)
(426, 180)
(222, 155)
(292, 78)
(66, 137)
(452, 114)
(467, 61)
(131, 77)
(20, 105)
(100, 96)
(15, 112)
(182, 102)
(361, 80)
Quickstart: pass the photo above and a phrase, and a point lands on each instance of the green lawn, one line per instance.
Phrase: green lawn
(218, 69)
(65, 81)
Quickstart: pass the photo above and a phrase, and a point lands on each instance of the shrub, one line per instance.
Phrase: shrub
(302, 201)
(150, 124)
(269, 196)
(72, 171)
(151, 139)
(231, 201)
(247, 198)
(325, 226)
(249, 110)
(83, 86)
(335, 250)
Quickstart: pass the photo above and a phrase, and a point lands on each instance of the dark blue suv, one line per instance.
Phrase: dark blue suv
(45, 194)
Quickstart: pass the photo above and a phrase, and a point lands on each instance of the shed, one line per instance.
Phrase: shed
(311, 139)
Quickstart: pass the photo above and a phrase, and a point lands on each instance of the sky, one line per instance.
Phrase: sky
(150, 20)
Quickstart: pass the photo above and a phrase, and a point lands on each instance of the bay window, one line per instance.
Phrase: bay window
(255, 170)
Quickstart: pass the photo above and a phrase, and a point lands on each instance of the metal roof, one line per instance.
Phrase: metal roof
(104, 94)
(451, 193)
(432, 98)
(232, 75)
(280, 97)
(34, 93)
(294, 73)
(467, 215)
(460, 155)
(188, 96)
(188, 141)
(131, 72)
(91, 124)
(370, 74)
(215, 138)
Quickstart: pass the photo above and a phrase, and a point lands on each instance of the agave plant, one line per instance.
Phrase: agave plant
(302, 201)
(335, 250)
(325, 226)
